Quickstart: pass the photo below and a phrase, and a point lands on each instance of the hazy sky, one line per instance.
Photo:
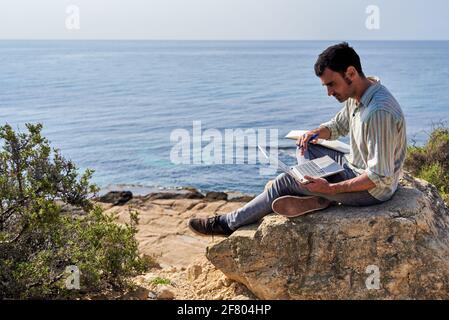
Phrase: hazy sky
(224, 19)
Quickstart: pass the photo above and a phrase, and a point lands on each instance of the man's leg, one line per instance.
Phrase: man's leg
(283, 185)
(260, 206)
(250, 213)
(294, 206)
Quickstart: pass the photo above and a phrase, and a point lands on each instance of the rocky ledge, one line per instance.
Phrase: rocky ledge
(396, 250)
(181, 270)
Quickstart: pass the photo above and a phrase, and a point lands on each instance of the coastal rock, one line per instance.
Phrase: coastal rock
(70, 209)
(194, 271)
(242, 199)
(395, 250)
(234, 196)
(116, 197)
(212, 195)
(175, 194)
(139, 293)
(225, 281)
(165, 293)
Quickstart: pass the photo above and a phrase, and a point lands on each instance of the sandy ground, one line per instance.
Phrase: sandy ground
(164, 235)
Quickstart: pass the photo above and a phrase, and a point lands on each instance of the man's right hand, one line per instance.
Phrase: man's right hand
(303, 140)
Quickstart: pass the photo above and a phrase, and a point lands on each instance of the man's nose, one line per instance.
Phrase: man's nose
(330, 92)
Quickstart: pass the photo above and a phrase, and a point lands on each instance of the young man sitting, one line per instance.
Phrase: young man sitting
(374, 121)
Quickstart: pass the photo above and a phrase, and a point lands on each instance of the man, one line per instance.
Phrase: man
(376, 127)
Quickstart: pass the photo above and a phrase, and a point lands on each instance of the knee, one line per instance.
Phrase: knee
(282, 181)
(268, 185)
(280, 178)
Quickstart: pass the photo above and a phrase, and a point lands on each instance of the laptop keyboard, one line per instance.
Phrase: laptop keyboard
(310, 168)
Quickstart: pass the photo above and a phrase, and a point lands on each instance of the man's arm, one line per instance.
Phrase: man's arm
(321, 185)
(339, 125)
(323, 132)
(331, 130)
(360, 183)
(381, 136)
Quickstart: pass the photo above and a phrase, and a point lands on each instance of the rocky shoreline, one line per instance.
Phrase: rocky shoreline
(324, 255)
(182, 270)
(118, 197)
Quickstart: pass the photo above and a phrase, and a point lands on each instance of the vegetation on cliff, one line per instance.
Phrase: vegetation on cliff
(431, 161)
(45, 247)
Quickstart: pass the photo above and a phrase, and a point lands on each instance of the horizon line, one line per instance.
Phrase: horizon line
(223, 40)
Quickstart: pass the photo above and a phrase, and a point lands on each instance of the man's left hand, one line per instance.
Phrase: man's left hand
(318, 185)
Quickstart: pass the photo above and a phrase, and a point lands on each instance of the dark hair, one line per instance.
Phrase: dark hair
(338, 58)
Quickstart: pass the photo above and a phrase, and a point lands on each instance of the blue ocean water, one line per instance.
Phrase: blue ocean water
(112, 105)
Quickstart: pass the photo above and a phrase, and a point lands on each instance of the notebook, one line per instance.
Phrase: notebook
(331, 144)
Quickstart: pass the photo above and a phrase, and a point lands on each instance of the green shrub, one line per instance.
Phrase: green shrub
(431, 161)
(159, 280)
(39, 239)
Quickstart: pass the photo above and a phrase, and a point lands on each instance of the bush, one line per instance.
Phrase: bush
(431, 162)
(159, 280)
(39, 239)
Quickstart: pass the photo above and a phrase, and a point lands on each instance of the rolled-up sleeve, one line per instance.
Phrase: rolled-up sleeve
(381, 142)
(339, 125)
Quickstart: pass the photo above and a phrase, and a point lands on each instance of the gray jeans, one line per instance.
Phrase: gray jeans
(285, 185)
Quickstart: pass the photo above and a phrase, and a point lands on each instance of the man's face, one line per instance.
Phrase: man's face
(336, 85)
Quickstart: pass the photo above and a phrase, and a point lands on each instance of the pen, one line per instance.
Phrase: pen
(311, 138)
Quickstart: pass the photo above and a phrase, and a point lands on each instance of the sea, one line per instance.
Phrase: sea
(125, 108)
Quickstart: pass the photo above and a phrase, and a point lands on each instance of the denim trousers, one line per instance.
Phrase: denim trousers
(285, 185)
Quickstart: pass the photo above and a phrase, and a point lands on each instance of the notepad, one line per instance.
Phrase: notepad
(331, 144)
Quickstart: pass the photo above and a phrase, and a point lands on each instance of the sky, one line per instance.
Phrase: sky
(225, 19)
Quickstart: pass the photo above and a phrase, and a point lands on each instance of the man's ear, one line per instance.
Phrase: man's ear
(351, 72)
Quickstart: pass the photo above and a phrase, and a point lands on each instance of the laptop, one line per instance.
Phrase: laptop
(319, 167)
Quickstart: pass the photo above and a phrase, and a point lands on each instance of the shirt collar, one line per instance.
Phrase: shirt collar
(370, 91)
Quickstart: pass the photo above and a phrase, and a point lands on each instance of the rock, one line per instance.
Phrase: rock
(207, 289)
(395, 250)
(148, 277)
(226, 281)
(165, 292)
(193, 272)
(176, 194)
(172, 270)
(242, 199)
(215, 196)
(234, 196)
(192, 189)
(70, 209)
(116, 197)
(241, 297)
(140, 293)
(152, 295)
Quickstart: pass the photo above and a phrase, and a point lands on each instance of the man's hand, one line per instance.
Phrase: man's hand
(318, 185)
(303, 140)
(323, 133)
